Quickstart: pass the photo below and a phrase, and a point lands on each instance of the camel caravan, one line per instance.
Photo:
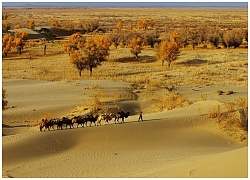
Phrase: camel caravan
(83, 121)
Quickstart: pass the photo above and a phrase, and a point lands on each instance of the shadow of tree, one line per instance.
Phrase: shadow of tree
(142, 59)
(193, 62)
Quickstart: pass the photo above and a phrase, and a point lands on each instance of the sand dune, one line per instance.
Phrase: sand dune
(176, 143)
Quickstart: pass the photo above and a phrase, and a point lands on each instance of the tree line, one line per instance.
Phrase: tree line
(89, 52)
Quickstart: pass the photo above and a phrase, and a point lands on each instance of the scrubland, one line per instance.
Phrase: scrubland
(195, 111)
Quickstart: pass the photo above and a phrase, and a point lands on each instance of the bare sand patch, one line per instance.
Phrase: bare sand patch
(174, 143)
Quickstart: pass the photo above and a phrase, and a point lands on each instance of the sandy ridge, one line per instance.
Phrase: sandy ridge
(176, 143)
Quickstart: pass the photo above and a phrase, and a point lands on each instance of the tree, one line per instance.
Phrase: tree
(6, 26)
(31, 24)
(119, 25)
(89, 26)
(69, 25)
(151, 23)
(19, 40)
(151, 38)
(115, 38)
(55, 23)
(184, 37)
(136, 46)
(4, 102)
(43, 42)
(202, 33)
(18, 26)
(142, 24)
(176, 37)
(7, 43)
(76, 41)
(130, 25)
(193, 38)
(95, 50)
(4, 16)
(232, 38)
(167, 51)
(87, 54)
(214, 39)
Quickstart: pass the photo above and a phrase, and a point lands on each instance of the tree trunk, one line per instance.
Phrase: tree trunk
(44, 50)
(90, 70)
(136, 56)
(169, 62)
(80, 72)
(20, 50)
(162, 62)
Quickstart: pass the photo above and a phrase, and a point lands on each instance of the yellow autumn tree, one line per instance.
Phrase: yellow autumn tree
(119, 25)
(142, 24)
(31, 24)
(7, 43)
(5, 26)
(19, 40)
(87, 54)
(176, 37)
(18, 26)
(55, 23)
(76, 41)
(130, 25)
(136, 45)
(167, 51)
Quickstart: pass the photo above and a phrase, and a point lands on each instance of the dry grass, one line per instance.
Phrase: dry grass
(150, 79)
(193, 68)
(150, 74)
(215, 112)
(235, 120)
(171, 101)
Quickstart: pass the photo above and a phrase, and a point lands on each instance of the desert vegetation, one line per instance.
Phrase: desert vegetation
(234, 119)
(184, 69)
(131, 45)
(4, 102)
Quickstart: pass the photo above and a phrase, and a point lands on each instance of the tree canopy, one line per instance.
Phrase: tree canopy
(7, 43)
(167, 51)
(136, 46)
(87, 53)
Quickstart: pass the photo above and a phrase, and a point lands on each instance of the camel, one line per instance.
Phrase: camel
(79, 120)
(121, 115)
(47, 124)
(108, 118)
(67, 121)
(105, 117)
(92, 119)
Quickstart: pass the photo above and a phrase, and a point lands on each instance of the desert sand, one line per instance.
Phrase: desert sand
(174, 143)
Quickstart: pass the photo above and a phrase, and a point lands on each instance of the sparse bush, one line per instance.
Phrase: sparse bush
(215, 112)
(4, 102)
(171, 101)
(232, 122)
(230, 106)
(95, 104)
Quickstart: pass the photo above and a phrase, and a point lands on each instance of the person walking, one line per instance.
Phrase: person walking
(140, 117)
